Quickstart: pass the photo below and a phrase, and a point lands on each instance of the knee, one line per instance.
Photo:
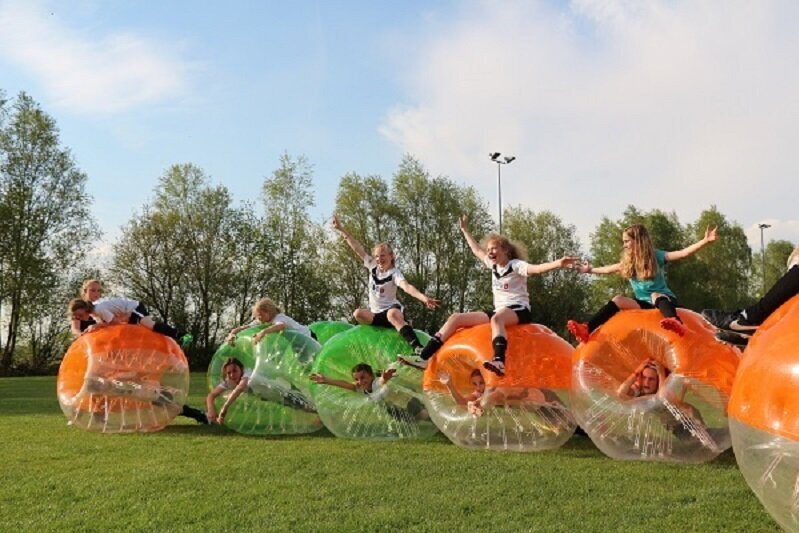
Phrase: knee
(618, 300)
(655, 296)
(395, 317)
(359, 315)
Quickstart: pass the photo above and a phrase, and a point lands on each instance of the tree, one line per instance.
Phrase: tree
(776, 253)
(44, 215)
(556, 296)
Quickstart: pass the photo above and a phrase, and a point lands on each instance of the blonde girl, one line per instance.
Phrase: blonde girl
(266, 312)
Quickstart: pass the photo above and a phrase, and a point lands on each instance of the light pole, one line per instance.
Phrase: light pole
(506, 160)
(763, 252)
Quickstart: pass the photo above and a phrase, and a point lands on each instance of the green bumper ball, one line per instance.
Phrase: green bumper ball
(327, 329)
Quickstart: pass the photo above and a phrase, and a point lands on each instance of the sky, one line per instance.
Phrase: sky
(676, 105)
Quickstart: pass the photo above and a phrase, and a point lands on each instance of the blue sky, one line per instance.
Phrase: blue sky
(675, 105)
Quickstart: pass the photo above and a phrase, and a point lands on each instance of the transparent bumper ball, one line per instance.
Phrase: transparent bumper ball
(685, 420)
(327, 329)
(525, 410)
(121, 379)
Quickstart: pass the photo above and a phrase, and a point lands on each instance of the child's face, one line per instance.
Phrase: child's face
(478, 383)
(649, 381)
(627, 241)
(232, 373)
(262, 316)
(363, 380)
(383, 258)
(80, 314)
(93, 292)
(496, 253)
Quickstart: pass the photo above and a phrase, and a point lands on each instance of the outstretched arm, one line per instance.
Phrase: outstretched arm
(430, 303)
(354, 244)
(710, 236)
(324, 380)
(209, 403)
(565, 261)
(463, 222)
(586, 268)
(274, 328)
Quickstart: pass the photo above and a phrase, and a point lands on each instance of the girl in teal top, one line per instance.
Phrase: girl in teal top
(643, 265)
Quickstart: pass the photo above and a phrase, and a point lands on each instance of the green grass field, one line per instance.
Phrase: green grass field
(200, 478)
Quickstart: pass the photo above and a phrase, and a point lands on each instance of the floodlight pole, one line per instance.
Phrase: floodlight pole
(506, 161)
(763, 252)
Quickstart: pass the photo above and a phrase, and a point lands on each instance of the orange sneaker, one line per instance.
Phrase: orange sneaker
(672, 324)
(579, 330)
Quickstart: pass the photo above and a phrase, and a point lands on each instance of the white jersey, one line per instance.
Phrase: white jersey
(105, 310)
(290, 323)
(226, 384)
(382, 286)
(378, 390)
(509, 284)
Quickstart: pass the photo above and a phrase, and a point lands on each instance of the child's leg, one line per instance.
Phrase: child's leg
(670, 321)
(159, 327)
(363, 316)
(397, 319)
(783, 290)
(501, 320)
(582, 330)
(455, 322)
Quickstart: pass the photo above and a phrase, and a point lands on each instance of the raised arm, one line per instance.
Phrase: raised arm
(710, 236)
(354, 244)
(463, 222)
(324, 380)
(565, 261)
(625, 389)
(430, 303)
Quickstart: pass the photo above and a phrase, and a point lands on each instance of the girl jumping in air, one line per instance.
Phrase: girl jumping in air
(384, 278)
(644, 266)
(509, 274)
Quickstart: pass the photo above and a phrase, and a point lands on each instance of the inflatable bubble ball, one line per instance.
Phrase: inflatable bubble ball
(327, 329)
(277, 400)
(641, 392)
(393, 411)
(764, 414)
(121, 379)
(525, 410)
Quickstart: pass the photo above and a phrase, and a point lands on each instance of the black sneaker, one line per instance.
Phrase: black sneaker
(738, 340)
(742, 325)
(497, 366)
(720, 319)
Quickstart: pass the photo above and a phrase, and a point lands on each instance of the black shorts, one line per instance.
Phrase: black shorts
(649, 305)
(138, 313)
(525, 317)
(381, 319)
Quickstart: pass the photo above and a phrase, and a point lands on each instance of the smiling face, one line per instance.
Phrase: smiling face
(363, 380)
(383, 256)
(232, 373)
(497, 253)
(478, 383)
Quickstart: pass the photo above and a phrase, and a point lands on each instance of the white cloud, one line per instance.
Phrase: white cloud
(675, 105)
(102, 72)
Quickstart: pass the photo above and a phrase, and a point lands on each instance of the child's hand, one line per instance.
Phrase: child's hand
(388, 374)
(711, 234)
(318, 378)
(444, 378)
(568, 261)
(336, 224)
(475, 408)
(430, 303)
(463, 222)
(231, 339)
(258, 337)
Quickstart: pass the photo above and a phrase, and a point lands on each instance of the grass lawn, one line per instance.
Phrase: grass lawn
(200, 478)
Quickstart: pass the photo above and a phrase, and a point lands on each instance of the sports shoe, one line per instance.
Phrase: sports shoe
(414, 361)
(720, 319)
(738, 340)
(185, 340)
(579, 330)
(742, 325)
(672, 324)
(497, 366)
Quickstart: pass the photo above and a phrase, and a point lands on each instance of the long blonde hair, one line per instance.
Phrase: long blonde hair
(512, 248)
(639, 261)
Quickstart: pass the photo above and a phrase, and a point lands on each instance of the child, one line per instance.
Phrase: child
(91, 291)
(266, 312)
(384, 278)
(644, 266)
(480, 398)
(509, 274)
(477, 380)
(235, 377)
(364, 381)
(121, 311)
(644, 380)
(738, 325)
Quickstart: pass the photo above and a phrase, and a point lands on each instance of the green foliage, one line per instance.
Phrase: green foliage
(777, 253)
(561, 294)
(189, 477)
(45, 226)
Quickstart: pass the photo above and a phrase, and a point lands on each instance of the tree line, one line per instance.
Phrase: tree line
(199, 259)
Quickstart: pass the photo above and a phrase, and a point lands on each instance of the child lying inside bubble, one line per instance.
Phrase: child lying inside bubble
(365, 381)
(238, 380)
(482, 398)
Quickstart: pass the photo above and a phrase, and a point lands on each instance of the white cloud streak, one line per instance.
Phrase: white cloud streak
(675, 105)
(82, 72)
